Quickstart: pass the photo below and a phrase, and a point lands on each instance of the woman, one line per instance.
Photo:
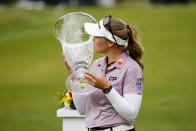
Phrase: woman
(117, 77)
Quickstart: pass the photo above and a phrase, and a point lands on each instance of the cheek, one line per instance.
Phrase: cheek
(100, 46)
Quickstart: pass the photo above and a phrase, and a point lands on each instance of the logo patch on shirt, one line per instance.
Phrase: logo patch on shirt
(112, 78)
(139, 82)
(120, 61)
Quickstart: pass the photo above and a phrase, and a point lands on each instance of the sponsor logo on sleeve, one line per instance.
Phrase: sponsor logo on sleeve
(139, 82)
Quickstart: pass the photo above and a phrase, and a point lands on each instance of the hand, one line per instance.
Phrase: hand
(66, 64)
(98, 81)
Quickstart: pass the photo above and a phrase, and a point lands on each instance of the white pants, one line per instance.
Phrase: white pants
(117, 128)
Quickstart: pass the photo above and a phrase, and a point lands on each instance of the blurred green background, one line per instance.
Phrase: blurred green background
(32, 70)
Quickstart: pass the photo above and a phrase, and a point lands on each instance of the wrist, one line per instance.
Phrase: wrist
(106, 90)
(106, 86)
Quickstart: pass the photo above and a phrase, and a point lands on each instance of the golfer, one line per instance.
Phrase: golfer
(117, 77)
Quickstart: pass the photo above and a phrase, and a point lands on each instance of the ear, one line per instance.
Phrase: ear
(110, 43)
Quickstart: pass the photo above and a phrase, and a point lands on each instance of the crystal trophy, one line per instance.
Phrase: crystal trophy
(78, 48)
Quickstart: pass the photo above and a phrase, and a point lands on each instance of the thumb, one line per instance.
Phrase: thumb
(66, 62)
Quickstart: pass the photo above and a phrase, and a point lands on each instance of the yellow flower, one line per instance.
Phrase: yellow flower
(67, 99)
(63, 99)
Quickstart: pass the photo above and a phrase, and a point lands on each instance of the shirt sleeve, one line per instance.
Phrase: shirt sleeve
(127, 106)
(133, 81)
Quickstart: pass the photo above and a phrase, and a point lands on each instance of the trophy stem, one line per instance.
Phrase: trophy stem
(76, 81)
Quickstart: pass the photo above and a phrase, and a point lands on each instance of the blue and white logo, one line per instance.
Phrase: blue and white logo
(139, 82)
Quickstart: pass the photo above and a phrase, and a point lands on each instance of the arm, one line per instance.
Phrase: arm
(127, 106)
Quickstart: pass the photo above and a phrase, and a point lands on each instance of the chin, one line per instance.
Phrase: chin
(98, 51)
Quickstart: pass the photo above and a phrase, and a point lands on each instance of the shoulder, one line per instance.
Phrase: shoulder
(132, 67)
(99, 60)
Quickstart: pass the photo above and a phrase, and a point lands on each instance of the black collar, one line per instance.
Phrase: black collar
(109, 63)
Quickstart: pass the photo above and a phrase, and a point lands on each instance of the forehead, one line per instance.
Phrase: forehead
(99, 37)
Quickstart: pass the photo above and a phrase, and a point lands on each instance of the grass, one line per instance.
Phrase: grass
(31, 67)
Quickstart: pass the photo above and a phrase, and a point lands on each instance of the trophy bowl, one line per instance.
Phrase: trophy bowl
(78, 48)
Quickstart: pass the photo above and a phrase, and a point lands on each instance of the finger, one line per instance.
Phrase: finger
(65, 61)
(63, 55)
(89, 81)
(64, 58)
(89, 77)
(68, 67)
(88, 73)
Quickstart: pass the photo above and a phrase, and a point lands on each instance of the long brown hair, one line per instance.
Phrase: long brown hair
(127, 32)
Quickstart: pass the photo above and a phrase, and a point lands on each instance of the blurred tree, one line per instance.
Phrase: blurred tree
(50, 2)
(80, 2)
(86, 2)
(170, 1)
(8, 1)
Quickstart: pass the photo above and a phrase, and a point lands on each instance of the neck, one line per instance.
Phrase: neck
(113, 55)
